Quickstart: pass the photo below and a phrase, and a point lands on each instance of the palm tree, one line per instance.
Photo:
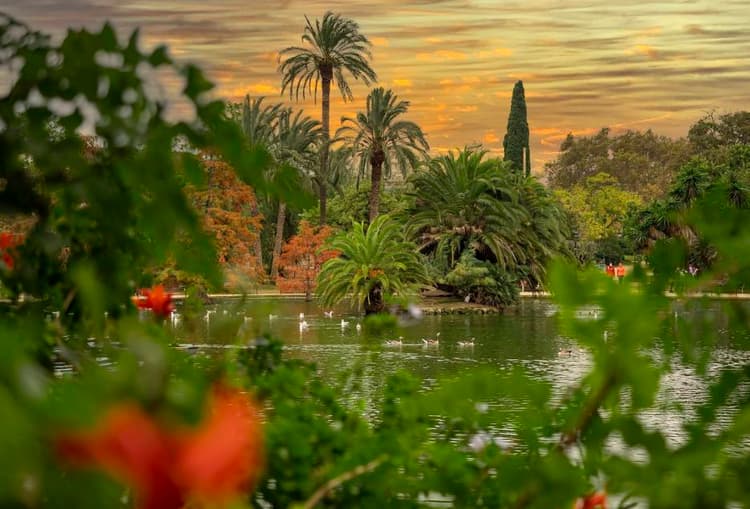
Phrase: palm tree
(692, 181)
(291, 140)
(259, 121)
(379, 138)
(469, 207)
(374, 263)
(333, 46)
(259, 124)
(466, 202)
(297, 139)
(544, 233)
(339, 169)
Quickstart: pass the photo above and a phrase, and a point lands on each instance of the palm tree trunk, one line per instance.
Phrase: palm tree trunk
(377, 175)
(326, 75)
(280, 218)
(375, 303)
(323, 202)
(258, 245)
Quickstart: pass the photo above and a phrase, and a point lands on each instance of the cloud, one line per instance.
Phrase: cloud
(644, 50)
(587, 64)
(496, 52)
(402, 82)
(381, 42)
(490, 137)
(258, 89)
(441, 55)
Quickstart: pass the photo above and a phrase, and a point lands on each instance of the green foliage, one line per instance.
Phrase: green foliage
(516, 141)
(71, 189)
(597, 208)
(482, 281)
(374, 264)
(334, 46)
(710, 134)
(466, 202)
(643, 163)
(726, 184)
(352, 206)
(380, 139)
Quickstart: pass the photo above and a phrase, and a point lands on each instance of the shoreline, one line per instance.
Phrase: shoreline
(444, 304)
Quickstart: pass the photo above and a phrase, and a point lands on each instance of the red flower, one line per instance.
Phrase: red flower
(8, 260)
(592, 501)
(129, 445)
(210, 464)
(8, 241)
(225, 454)
(155, 299)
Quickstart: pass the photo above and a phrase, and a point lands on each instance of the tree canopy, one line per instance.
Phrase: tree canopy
(334, 47)
(642, 162)
(374, 264)
(381, 139)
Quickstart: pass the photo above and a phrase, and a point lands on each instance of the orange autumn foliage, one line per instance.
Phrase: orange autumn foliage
(228, 208)
(174, 468)
(301, 259)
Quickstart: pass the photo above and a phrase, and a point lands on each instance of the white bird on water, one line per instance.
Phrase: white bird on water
(301, 317)
(468, 342)
(303, 326)
(174, 317)
(328, 314)
(395, 342)
(208, 318)
(432, 342)
(272, 317)
(359, 327)
(344, 324)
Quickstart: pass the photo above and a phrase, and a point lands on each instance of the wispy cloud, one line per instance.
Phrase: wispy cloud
(585, 65)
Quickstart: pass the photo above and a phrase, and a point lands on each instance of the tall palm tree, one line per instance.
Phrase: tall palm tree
(298, 136)
(380, 138)
(333, 46)
(373, 264)
(259, 124)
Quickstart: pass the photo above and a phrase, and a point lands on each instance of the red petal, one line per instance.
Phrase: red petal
(8, 260)
(129, 446)
(225, 455)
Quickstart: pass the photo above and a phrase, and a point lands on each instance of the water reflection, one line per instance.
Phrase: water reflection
(527, 336)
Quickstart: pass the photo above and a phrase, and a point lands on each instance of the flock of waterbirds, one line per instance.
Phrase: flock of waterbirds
(175, 319)
(426, 342)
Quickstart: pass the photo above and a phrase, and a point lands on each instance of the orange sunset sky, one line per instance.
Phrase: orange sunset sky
(585, 64)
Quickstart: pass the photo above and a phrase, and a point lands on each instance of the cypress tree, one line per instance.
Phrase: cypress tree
(516, 141)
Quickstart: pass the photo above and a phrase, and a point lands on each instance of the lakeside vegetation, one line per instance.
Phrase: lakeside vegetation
(228, 199)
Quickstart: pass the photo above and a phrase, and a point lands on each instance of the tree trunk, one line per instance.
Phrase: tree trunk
(323, 202)
(376, 161)
(258, 245)
(279, 239)
(326, 76)
(375, 303)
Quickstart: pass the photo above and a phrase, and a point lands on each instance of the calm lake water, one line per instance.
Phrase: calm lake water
(526, 336)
